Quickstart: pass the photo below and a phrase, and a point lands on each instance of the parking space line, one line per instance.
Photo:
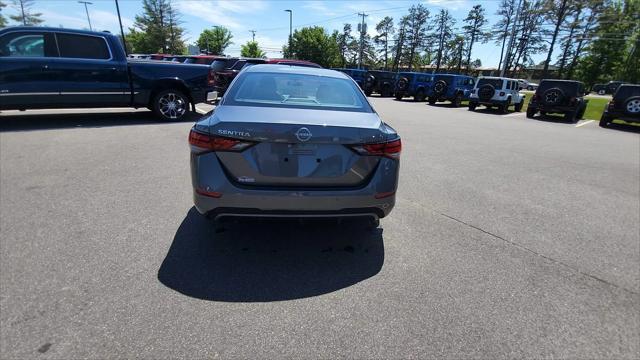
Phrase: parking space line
(585, 123)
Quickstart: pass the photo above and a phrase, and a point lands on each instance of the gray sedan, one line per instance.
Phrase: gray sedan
(294, 141)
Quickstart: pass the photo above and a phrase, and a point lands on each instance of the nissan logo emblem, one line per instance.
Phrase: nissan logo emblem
(303, 134)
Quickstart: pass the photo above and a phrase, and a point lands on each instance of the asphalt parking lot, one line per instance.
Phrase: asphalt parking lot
(510, 238)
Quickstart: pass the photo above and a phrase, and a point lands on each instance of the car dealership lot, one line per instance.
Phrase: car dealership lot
(510, 238)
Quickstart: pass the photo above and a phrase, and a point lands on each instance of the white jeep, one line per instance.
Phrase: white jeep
(496, 91)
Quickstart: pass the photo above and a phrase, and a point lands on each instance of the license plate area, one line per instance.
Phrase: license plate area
(302, 149)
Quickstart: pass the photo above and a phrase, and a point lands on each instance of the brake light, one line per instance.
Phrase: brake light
(391, 149)
(201, 143)
(211, 77)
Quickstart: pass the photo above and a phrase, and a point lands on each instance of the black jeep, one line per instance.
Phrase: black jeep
(625, 105)
(383, 82)
(559, 96)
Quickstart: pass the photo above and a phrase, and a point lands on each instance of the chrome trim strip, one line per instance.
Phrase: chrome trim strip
(32, 93)
(374, 216)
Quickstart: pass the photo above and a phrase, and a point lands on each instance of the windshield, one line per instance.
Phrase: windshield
(296, 91)
(496, 83)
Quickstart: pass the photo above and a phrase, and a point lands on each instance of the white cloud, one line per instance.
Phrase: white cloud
(220, 12)
(319, 7)
(448, 4)
(100, 20)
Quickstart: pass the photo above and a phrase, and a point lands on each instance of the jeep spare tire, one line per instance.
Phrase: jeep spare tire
(403, 83)
(440, 87)
(486, 92)
(553, 96)
(632, 106)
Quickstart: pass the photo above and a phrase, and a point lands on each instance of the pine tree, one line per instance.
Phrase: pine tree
(506, 11)
(418, 25)
(555, 11)
(385, 30)
(444, 23)
(400, 39)
(25, 16)
(473, 29)
(161, 23)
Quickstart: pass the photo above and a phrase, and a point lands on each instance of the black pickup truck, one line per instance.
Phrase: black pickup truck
(43, 67)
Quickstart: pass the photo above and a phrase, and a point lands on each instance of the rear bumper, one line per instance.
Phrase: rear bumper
(476, 100)
(553, 109)
(207, 174)
(619, 115)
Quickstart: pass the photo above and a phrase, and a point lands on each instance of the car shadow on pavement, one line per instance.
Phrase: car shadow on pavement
(257, 260)
(51, 120)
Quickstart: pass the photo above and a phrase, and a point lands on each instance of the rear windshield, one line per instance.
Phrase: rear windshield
(296, 91)
(496, 83)
(221, 64)
(626, 91)
(567, 86)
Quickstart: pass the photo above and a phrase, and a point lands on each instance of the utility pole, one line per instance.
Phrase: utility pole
(24, 19)
(362, 27)
(511, 40)
(290, 30)
(253, 35)
(87, 11)
(124, 41)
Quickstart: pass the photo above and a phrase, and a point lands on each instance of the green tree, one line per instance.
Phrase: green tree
(505, 13)
(314, 44)
(400, 41)
(25, 16)
(346, 44)
(418, 26)
(385, 30)
(556, 11)
(251, 49)
(474, 31)
(444, 23)
(160, 21)
(215, 40)
(138, 43)
(613, 51)
(3, 20)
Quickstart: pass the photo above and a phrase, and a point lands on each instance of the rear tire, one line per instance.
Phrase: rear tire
(419, 96)
(432, 101)
(398, 96)
(472, 106)
(373, 224)
(605, 120)
(571, 117)
(170, 105)
(457, 101)
(368, 92)
(518, 106)
(530, 113)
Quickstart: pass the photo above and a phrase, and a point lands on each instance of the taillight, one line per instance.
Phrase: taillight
(211, 78)
(391, 149)
(201, 143)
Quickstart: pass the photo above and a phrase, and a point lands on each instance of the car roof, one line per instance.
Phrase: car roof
(629, 85)
(286, 69)
(558, 80)
(56, 29)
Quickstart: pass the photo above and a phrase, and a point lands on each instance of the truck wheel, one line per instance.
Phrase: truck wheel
(472, 106)
(605, 120)
(419, 96)
(368, 92)
(432, 100)
(531, 113)
(571, 116)
(398, 96)
(457, 101)
(170, 105)
(518, 106)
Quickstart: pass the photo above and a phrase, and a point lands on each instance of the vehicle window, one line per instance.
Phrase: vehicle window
(221, 64)
(624, 92)
(296, 91)
(82, 46)
(190, 61)
(472, 82)
(27, 44)
(496, 83)
(239, 64)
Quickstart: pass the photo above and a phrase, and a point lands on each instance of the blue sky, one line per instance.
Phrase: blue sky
(266, 17)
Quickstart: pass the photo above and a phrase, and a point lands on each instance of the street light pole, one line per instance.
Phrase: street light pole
(87, 11)
(290, 29)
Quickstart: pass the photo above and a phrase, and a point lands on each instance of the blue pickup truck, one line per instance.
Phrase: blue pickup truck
(43, 67)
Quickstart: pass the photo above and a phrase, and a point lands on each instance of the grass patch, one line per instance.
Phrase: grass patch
(595, 106)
